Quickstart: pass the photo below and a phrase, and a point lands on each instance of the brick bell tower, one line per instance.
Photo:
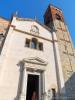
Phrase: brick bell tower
(54, 19)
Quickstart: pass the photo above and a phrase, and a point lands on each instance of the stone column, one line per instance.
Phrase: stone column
(43, 86)
(24, 85)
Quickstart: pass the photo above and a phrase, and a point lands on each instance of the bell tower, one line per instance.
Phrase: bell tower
(54, 19)
(52, 16)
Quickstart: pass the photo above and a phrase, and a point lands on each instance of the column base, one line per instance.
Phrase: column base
(22, 97)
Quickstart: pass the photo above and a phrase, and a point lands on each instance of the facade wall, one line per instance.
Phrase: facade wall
(14, 51)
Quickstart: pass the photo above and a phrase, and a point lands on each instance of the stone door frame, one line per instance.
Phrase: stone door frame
(40, 83)
(34, 66)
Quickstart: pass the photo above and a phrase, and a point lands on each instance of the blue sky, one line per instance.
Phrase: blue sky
(32, 8)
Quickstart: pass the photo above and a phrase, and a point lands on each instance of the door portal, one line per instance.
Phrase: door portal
(32, 86)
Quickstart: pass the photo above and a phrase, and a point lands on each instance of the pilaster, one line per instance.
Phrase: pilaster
(24, 85)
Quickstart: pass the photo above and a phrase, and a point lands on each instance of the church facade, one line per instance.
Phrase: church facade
(31, 59)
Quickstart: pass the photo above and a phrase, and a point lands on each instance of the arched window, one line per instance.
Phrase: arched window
(40, 46)
(58, 16)
(1, 36)
(53, 94)
(27, 43)
(34, 43)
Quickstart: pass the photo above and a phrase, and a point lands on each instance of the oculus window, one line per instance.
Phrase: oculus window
(34, 29)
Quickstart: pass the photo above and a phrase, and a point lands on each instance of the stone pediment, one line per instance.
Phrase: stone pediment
(35, 60)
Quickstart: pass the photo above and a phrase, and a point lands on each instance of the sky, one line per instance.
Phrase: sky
(37, 8)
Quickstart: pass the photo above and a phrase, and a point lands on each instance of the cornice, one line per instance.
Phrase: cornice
(24, 32)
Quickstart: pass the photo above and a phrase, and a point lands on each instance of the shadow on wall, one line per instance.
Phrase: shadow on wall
(69, 86)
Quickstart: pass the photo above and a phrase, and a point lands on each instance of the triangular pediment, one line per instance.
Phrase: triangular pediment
(33, 20)
(35, 60)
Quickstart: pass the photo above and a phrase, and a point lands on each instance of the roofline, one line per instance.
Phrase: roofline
(29, 19)
(49, 6)
(5, 18)
(55, 7)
